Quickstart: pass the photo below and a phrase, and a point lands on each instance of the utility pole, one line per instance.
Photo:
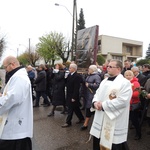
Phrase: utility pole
(29, 45)
(74, 31)
(17, 52)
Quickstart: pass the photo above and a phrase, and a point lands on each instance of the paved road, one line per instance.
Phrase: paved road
(48, 134)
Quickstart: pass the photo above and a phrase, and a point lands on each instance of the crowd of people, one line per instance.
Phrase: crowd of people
(65, 89)
(117, 97)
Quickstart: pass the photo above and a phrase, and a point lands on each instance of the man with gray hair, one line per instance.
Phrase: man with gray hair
(73, 103)
(138, 75)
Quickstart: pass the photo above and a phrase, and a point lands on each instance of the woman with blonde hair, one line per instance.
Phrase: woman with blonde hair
(134, 114)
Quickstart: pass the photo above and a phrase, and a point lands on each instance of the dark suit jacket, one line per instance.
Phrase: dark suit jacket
(73, 86)
(141, 79)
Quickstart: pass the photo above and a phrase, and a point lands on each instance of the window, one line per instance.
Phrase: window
(129, 49)
(117, 57)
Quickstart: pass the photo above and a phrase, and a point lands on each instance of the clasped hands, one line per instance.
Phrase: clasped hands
(98, 105)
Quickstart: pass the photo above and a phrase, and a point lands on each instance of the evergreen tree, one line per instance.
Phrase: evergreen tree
(81, 21)
(148, 52)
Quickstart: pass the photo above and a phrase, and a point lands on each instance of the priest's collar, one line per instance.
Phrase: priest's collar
(10, 74)
(111, 78)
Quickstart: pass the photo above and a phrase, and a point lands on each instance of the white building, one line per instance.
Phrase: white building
(119, 48)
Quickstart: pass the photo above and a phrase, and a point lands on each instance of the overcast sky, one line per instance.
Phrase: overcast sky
(24, 19)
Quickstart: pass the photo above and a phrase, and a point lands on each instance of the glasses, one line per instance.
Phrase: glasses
(5, 67)
(111, 67)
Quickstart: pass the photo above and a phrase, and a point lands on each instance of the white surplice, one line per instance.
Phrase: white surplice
(16, 109)
(116, 111)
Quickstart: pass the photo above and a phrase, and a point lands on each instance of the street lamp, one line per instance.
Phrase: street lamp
(74, 28)
(56, 4)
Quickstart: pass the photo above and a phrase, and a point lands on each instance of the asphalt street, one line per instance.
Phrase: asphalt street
(49, 135)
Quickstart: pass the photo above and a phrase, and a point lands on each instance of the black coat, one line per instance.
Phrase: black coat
(48, 78)
(41, 81)
(58, 88)
(73, 87)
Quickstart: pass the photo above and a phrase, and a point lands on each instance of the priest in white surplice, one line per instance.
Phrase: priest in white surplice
(111, 104)
(16, 110)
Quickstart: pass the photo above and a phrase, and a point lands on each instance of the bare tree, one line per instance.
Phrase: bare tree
(34, 56)
(2, 44)
(29, 57)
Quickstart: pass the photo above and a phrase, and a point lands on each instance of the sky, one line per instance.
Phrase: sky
(21, 20)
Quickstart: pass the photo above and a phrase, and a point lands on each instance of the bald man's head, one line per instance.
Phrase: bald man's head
(10, 63)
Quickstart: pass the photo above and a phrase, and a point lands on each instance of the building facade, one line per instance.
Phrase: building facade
(119, 48)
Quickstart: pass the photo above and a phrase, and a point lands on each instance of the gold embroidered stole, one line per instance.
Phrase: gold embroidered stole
(107, 133)
(103, 148)
(108, 126)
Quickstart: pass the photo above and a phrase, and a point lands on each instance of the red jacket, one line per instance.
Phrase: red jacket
(135, 96)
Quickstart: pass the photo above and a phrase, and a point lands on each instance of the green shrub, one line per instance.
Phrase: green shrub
(100, 59)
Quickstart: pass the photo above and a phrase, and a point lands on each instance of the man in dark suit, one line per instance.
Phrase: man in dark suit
(138, 75)
(73, 86)
(146, 73)
(127, 66)
(146, 69)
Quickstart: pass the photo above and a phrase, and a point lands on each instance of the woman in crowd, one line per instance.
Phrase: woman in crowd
(91, 84)
(58, 88)
(40, 89)
(134, 114)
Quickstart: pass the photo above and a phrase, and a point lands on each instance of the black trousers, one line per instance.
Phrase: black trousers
(134, 116)
(43, 94)
(20, 144)
(121, 146)
(77, 111)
